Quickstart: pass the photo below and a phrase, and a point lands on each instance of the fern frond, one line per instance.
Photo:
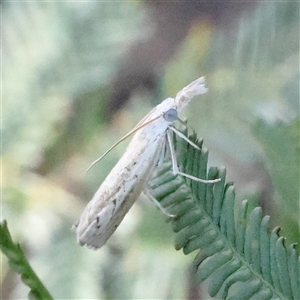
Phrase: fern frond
(237, 251)
(19, 264)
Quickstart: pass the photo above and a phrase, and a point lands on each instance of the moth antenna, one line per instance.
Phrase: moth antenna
(131, 132)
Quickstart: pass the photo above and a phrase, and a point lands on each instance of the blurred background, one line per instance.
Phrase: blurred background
(76, 76)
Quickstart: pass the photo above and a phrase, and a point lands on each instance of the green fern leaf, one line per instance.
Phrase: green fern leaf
(19, 264)
(236, 249)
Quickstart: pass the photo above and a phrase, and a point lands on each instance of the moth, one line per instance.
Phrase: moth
(126, 181)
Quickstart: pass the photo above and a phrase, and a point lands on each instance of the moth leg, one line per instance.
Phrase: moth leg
(176, 170)
(163, 210)
(180, 134)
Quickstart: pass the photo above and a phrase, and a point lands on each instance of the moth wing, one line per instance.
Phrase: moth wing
(95, 235)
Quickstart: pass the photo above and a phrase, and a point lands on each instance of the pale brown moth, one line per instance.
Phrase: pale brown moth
(128, 178)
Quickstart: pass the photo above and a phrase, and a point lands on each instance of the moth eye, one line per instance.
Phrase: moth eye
(171, 115)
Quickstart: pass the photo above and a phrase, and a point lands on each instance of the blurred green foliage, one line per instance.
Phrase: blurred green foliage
(281, 143)
(58, 60)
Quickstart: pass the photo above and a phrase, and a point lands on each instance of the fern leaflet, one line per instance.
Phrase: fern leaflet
(237, 251)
